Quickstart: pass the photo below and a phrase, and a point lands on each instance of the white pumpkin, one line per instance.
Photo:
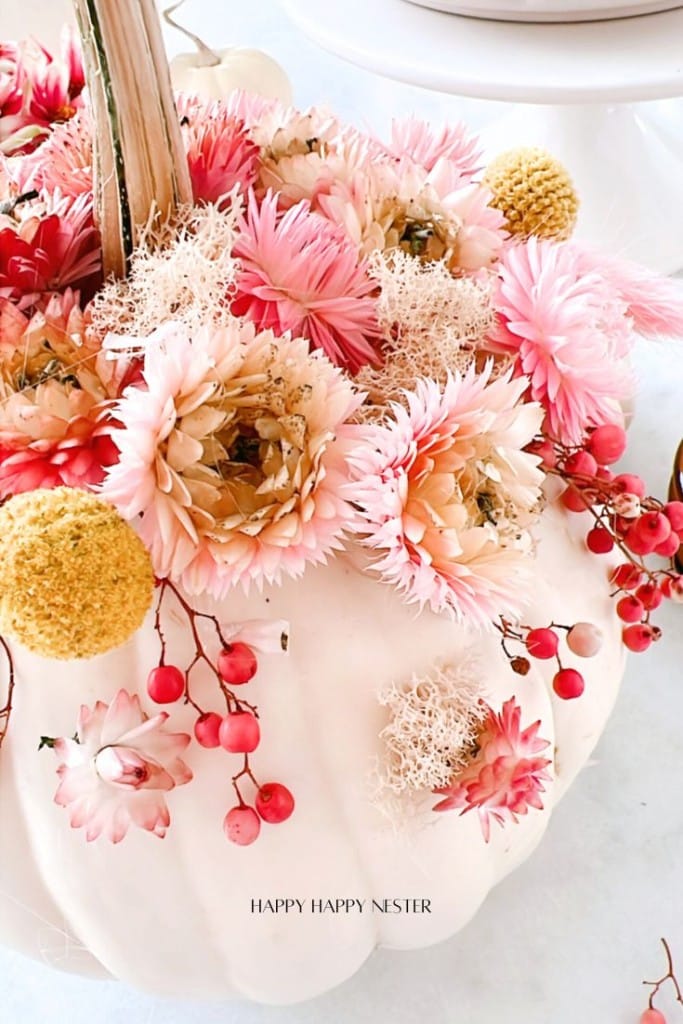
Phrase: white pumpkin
(237, 67)
(174, 916)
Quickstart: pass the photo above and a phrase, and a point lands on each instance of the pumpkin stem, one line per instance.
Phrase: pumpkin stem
(208, 58)
(140, 164)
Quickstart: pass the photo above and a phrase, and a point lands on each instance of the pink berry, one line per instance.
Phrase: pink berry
(630, 609)
(542, 643)
(545, 451)
(652, 1016)
(674, 513)
(237, 664)
(206, 729)
(602, 473)
(626, 576)
(242, 825)
(669, 547)
(607, 443)
(584, 639)
(599, 541)
(166, 684)
(239, 732)
(629, 483)
(568, 683)
(581, 464)
(639, 637)
(653, 527)
(274, 802)
(637, 542)
(650, 595)
(571, 499)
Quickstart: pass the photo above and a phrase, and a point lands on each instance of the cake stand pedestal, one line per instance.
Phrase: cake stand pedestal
(582, 90)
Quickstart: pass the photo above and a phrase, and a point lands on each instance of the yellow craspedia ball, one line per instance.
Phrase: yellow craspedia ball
(75, 578)
(534, 192)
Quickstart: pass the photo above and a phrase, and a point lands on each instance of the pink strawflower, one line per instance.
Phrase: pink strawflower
(446, 493)
(300, 274)
(506, 775)
(655, 303)
(55, 390)
(64, 161)
(220, 154)
(117, 770)
(231, 454)
(49, 250)
(569, 333)
(417, 141)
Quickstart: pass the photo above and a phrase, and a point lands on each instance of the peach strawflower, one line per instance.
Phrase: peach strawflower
(446, 493)
(569, 332)
(117, 770)
(300, 274)
(231, 455)
(505, 777)
(55, 392)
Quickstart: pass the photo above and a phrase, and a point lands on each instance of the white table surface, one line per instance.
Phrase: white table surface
(569, 937)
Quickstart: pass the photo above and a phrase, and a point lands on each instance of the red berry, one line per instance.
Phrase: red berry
(571, 499)
(674, 513)
(630, 609)
(626, 576)
(584, 639)
(581, 464)
(568, 683)
(650, 595)
(599, 541)
(242, 825)
(672, 588)
(629, 483)
(607, 443)
(237, 664)
(652, 527)
(669, 547)
(639, 637)
(239, 732)
(542, 643)
(545, 451)
(637, 542)
(602, 473)
(206, 729)
(274, 802)
(652, 1016)
(166, 684)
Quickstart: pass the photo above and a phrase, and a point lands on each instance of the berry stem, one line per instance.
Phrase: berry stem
(246, 770)
(6, 710)
(670, 975)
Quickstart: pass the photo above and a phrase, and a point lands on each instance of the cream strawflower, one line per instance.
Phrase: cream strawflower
(230, 454)
(446, 493)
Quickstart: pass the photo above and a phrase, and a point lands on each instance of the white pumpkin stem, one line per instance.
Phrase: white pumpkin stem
(140, 163)
(207, 57)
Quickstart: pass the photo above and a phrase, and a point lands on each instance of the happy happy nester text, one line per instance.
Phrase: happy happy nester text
(340, 906)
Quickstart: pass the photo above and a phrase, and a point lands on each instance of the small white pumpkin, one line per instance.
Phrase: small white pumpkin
(174, 916)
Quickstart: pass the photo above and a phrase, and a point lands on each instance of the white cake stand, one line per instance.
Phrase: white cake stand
(579, 90)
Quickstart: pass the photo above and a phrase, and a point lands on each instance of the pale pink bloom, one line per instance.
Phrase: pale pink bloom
(655, 303)
(231, 454)
(505, 777)
(63, 162)
(300, 274)
(55, 392)
(418, 141)
(117, 770)
(251, 108)
(220, 154)
(569, 332)
(446, 493)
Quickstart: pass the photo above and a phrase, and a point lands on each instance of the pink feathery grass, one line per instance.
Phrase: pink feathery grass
(301, 274)
(505, 778)
(569, 333)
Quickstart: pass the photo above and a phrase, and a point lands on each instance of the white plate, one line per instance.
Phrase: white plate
(549, 10)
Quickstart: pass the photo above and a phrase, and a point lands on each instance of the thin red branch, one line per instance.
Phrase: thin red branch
(6, 710)
(669, 976)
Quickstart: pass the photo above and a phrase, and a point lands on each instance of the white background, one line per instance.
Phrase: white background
(570, 936)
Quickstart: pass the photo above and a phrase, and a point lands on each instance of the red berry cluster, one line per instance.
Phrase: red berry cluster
(238, 731)
(583, 639)
(651, 1015)
(624, 518)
